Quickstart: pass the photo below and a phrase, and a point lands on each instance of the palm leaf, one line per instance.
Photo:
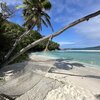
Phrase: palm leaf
(48, 21)
(39, 27)
(37, 13)
(45, 14)
(44, 22)
(20, 6)
(46, 5)
(27, 2)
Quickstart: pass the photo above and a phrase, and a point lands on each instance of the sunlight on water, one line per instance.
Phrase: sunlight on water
(90, 57)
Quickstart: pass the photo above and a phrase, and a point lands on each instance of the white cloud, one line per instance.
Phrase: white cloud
(67, 11)
(66, 43)
(90, 29)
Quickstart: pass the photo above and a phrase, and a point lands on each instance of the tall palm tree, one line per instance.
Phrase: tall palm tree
(34, 15)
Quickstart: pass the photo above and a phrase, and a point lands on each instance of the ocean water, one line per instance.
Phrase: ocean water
(86, 56)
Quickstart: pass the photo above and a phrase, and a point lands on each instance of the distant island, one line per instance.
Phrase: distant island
(87, 48)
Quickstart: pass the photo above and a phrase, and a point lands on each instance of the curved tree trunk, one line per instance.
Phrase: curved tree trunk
(47, 45)
(86, 18)
(16, 43)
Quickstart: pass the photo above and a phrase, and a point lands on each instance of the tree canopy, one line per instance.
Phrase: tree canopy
(34, 13)
(9, 32)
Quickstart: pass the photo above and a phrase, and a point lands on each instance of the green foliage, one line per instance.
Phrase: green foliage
(9, 32)
(21, 58)
(34, 12)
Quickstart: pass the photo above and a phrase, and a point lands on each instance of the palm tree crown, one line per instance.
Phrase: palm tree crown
(35, 15)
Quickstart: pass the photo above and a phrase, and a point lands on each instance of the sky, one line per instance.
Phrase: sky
(63, 12)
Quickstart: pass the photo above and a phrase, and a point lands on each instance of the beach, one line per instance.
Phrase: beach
(47, 53)
(45, 78)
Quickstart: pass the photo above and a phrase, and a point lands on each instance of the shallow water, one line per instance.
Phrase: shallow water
(85, 56)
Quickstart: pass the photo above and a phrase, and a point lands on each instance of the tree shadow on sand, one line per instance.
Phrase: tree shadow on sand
(87, 76)
(13, 68)
(60, 64)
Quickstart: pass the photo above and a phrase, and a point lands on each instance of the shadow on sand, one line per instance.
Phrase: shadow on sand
(87, 76)
(13, 68)
(60, 64)
(65, 65)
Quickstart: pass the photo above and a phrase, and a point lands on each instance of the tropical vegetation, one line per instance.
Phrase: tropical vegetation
(9, 32)
(35, 20)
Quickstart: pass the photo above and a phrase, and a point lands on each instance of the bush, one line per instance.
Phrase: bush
(9, 32)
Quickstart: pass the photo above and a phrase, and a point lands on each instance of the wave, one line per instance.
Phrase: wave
(83, 50)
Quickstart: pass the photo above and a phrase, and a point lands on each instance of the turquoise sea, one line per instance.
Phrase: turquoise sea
(86, 56)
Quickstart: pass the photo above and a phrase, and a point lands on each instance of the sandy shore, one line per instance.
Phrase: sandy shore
(45, 78)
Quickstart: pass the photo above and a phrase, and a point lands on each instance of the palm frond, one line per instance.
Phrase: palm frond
(39, 27)
(48, 21)
(36, 9)
(46, 5)
(44, 22)
(27, 2)
(45, 14)
(20, 6)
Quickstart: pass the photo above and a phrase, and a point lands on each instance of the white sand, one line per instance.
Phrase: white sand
(40, 57)
(65, 80)
(70, 91)
(79, 83)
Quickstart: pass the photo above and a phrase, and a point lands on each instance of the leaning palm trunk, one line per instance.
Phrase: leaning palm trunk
(47, 45)
(16, 43)
(86, 18)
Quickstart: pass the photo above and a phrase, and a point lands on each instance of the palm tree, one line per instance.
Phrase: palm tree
(86, 18)
(34, 15)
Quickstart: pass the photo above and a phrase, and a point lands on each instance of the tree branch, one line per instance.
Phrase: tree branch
(17, 41)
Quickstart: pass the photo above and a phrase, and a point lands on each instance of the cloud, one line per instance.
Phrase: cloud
(66, 43)
(67, 11)
(90, 29)
(70, 10)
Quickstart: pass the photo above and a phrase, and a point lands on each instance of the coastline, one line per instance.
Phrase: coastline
(72, 80)
(46, 57)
